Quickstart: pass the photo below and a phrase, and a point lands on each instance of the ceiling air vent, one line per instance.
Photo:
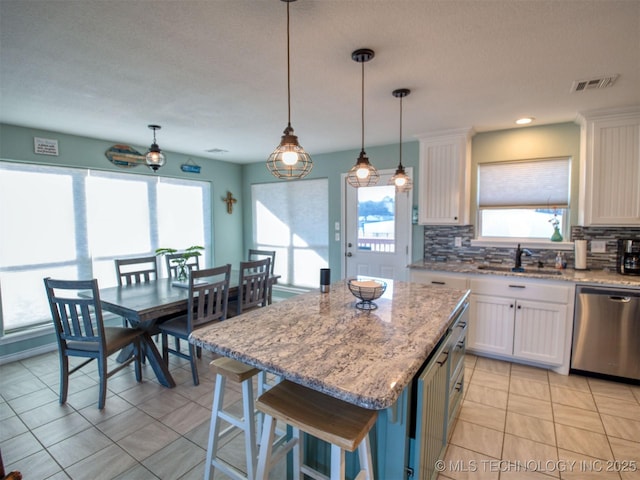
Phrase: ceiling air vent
(217, 150)
(591, 83)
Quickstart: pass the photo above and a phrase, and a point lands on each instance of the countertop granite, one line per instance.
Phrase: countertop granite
(320, 340)
(569, 275)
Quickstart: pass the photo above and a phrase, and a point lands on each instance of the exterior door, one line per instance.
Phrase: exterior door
(377, 226)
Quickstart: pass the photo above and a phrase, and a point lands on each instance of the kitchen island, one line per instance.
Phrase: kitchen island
(368, 358)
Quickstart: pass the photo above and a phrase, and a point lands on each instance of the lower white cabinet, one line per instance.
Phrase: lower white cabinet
(519, 320)
(439, 279)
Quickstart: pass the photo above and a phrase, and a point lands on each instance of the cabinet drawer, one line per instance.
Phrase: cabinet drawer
(438, 279)
(525, 289)
(457, 347)
(456, 393)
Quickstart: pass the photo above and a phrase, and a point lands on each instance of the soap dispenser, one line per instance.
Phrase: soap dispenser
(558, 264)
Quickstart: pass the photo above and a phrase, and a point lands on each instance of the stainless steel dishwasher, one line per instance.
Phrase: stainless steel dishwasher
(606, 333)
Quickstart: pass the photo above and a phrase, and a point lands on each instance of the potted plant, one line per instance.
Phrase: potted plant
(181, 261)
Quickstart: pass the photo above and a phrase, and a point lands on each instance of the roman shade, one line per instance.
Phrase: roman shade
(536, 183)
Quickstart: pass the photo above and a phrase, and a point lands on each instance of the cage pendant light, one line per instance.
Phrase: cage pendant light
(401, 180)
(289, 160)
(362, 174)
(155, 158)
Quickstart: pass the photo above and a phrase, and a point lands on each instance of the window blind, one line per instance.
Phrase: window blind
(537, 183)
(292, 218)
(72, 222)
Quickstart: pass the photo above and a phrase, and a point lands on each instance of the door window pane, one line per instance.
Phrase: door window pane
(376, 218)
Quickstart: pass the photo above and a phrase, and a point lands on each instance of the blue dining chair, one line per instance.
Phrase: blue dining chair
(80, 332)
(208, 303)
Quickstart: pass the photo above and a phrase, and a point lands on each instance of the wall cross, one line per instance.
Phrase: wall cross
(229, 200)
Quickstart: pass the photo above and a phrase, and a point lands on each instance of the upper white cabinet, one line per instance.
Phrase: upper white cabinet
(445, 172)
(610, 167)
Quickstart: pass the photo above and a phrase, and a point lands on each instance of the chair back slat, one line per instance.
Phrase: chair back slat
(255, 254)
(136, 270)
(252, 286)
(208, 295)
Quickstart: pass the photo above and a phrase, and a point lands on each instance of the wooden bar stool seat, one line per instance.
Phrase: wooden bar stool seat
(229, 369)
(344, 425)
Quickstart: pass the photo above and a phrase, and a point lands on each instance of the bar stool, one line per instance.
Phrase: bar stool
(227, 368)
(344, 425)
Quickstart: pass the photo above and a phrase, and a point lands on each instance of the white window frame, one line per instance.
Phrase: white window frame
(564, 208)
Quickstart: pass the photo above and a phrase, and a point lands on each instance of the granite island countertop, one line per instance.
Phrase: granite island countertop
(601, 277)
(320, 340)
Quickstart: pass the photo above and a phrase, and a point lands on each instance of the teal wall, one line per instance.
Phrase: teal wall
(332, 166)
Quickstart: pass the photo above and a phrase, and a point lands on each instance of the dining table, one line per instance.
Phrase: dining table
(146, 304)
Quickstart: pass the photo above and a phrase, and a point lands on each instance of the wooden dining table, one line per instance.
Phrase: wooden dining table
(146, 304)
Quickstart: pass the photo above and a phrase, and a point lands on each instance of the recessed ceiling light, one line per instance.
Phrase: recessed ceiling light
(524, 120)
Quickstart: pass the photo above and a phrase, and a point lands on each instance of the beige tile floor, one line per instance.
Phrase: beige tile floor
(520, 422)
(513, 417)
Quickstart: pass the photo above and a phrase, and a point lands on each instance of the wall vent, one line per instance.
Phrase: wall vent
(592, 83)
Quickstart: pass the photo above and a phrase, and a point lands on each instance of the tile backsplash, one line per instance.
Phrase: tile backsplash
(439, 246)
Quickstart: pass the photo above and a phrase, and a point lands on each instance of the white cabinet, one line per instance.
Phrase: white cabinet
(538, 333)
(445, 172)
(519, 320)
(610, 167)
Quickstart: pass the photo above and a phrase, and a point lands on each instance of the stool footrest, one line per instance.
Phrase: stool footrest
(228, 469)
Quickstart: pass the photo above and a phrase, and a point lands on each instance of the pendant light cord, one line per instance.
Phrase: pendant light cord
(400, 131)
(362, 109)
(288, 74)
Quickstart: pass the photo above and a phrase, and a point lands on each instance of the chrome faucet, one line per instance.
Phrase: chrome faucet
(519, 252)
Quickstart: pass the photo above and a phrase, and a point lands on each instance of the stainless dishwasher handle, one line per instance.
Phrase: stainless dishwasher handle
(615, 298)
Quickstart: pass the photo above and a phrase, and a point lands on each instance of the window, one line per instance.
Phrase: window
(292, 219)
(72, 223)
(523, 199)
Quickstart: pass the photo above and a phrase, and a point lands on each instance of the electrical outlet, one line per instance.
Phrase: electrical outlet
(337, 226)
(337, 236)
(598, 246)
(457, 241)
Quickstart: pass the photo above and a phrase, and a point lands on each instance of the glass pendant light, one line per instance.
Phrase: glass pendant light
(289, 160)
(401, 180)
(362, 174)
(155, 158)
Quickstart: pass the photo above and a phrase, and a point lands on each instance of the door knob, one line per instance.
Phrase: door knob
(349, 254)
(349, 244)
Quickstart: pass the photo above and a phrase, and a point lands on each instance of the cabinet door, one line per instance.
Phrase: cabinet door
(444, 178)
(612, 172)
(539, 331)
(491, 324)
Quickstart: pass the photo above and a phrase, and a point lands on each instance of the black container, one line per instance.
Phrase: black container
(628, 258)
(325, 279)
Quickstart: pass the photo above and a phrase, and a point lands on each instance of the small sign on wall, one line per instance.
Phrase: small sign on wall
(45, 146)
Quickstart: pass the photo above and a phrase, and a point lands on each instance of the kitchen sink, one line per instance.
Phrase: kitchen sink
(537, 271)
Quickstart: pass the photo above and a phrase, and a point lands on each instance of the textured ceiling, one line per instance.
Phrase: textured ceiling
(213, 73)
